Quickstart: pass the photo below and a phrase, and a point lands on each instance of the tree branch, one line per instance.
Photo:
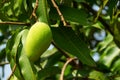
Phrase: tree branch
(15, 23)
(13, 70)
(4, 63)
(64, 67)
(59, 12)
(34, 11)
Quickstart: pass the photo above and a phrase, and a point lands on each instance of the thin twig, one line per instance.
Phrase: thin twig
(15, 23)
(34, 10)
(64, 67)
(4, 63)
(13, 70)
(59, 12)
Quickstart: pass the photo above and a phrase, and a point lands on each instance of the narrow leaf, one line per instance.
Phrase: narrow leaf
(10, 45)
(24, 62)
(66, 39)
(25, 67)
(17, 72)
(42, 11)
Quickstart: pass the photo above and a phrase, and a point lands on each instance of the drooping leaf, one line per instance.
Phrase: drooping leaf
(25, 66)
(24, 63)
(12, 52)
(16, 44)
(67, 40)
(11, 48)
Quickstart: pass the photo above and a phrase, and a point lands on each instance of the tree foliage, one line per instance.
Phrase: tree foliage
(86, 39)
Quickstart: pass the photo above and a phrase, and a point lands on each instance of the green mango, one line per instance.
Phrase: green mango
(38, 40)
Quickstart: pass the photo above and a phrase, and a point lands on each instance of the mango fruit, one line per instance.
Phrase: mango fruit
(38, 40)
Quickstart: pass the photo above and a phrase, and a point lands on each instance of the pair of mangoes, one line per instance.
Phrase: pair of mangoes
(38, 40)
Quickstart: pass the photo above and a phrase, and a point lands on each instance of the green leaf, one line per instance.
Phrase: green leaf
(17, 55)
(53, 59)
(49, 71)
(24, 35)
(116, 66)
(42, 11)
(50, 58)
(96, 75)
(29, 7)
(112, 6)
(17, 72)
(116, 36)
(24, 62)
(67, 40)
(101, 8)
(11, 51)
(109, 55)
(70, 14)
(16, 44)
(11, 48)
(117, 78)
(83, 72)
(103, 44)
(2, 54)
(25, 66)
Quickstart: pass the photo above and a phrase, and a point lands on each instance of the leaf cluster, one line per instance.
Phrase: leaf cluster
(91, 36)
